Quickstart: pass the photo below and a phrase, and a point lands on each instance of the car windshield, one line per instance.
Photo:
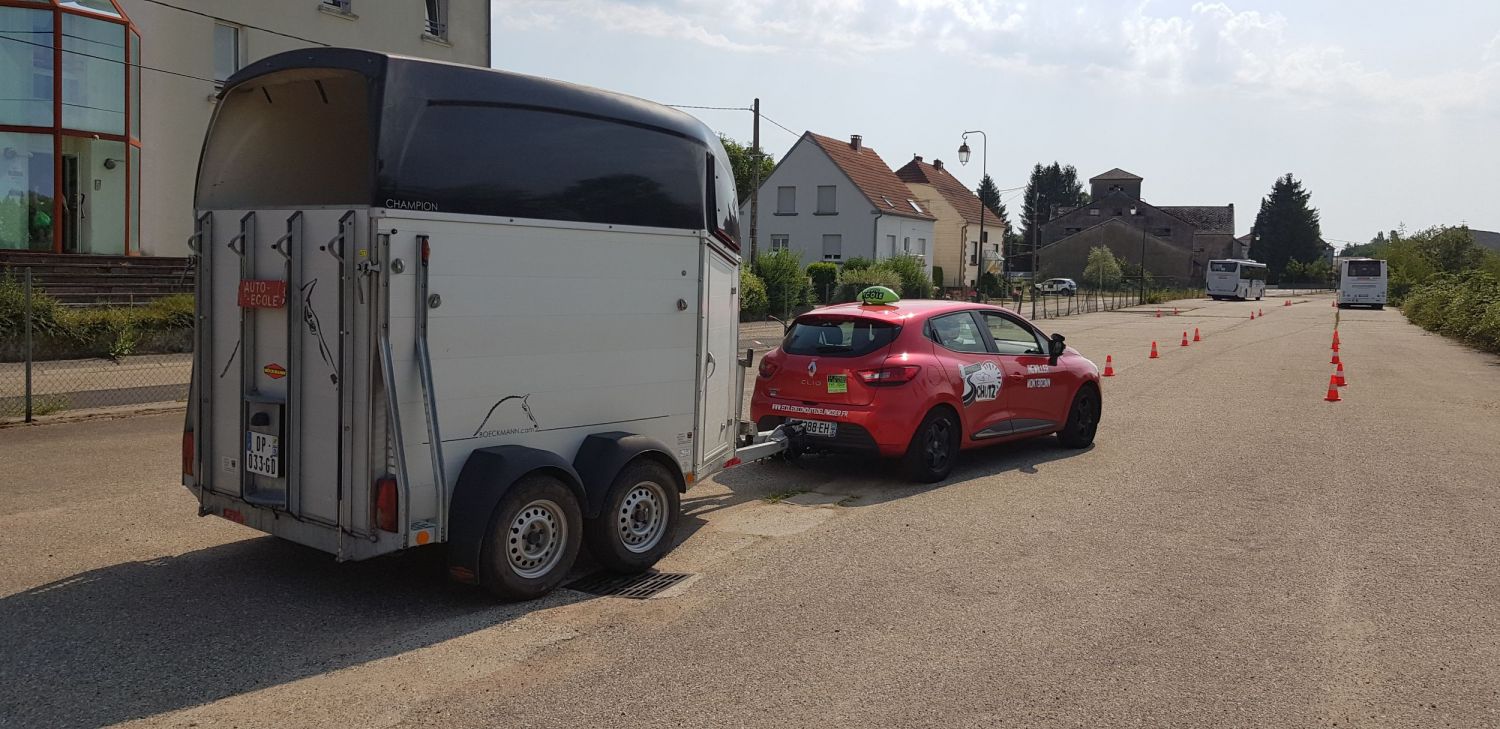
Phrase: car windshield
(838, 336)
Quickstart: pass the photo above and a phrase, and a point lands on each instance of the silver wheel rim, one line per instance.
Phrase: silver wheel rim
(641, 519)
(536, 538)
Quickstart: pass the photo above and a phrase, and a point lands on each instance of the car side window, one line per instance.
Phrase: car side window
(1011, 337)
(957, 332)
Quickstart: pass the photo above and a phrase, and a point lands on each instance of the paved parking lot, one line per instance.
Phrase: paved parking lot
(1233, 552)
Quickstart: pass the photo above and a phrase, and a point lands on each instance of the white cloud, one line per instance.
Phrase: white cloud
(1212, 47)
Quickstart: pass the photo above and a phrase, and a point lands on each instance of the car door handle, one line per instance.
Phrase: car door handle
(1016, 377)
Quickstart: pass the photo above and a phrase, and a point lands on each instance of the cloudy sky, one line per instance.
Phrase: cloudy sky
(1389, 111)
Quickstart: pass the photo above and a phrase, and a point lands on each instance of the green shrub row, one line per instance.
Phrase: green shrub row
(1463, 306)
(117, 326)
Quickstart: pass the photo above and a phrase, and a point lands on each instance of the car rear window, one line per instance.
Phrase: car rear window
(838, 336)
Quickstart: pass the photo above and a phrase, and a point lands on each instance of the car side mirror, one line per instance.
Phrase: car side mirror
(1056, 347)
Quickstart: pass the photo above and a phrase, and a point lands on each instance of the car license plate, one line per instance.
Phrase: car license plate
(263, 454)
(820, 428)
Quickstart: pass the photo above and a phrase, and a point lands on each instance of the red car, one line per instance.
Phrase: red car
(921, 380)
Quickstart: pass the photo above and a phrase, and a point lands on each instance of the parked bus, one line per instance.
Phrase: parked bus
(447, 304)
(1362, 282)
(1236, 279)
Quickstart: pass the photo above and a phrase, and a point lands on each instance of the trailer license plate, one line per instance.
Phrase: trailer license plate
(820, 428)
(263, 454)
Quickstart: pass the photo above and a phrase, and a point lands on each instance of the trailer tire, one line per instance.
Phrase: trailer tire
(533, 539)
(639, 518)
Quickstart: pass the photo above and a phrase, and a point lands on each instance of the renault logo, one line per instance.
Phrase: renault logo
(812, 368)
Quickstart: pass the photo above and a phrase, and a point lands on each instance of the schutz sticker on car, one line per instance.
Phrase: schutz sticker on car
(981, 381)
(1036, 382)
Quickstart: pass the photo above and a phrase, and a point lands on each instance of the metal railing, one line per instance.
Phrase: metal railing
(55, 359)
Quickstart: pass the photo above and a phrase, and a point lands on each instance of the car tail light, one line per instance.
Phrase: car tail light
(889, 376)
(187, 452)
(768, 368)
(386, 505)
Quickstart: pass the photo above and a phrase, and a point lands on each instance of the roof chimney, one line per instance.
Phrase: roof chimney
(917, 157)
(857, 142)
(936, 163)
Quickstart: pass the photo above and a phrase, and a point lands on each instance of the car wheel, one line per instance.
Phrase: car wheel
(934, 447)
(533, 539)
(635, 527)
(1083, 418)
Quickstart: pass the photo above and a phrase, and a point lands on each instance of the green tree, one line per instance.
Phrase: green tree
(786, 283)
(914, 281)
(1286, 228)
(1102, 270)
(824, 275)
(989, 195)
(1049, 189)
(742, 161)
(753, 300)
(856, 263)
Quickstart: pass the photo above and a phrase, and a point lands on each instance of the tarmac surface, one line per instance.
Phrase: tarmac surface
(1234, 551)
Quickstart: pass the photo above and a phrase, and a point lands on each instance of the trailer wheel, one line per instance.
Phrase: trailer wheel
(635, 527)
(533, 539)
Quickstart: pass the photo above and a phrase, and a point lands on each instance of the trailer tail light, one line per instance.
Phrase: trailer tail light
(386, 505)
(768, 368)
(889, 376)
(187, 453)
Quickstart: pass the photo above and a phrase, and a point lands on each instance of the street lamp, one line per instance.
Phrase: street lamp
(1145, 223)
(984, 164)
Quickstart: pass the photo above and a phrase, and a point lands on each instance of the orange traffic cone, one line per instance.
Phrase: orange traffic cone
(1109, 365)
(1154, 355)
(1335, 359)
(1338, 375)
(1196, 338)
(1262, 312)
(1335, 339)
(1335, 345)
(1333, 390)
(1174, 311)
(1288, 302)
(1252, 316)
(1158, 313)
(1184, 339)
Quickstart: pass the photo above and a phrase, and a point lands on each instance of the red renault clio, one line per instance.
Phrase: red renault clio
(921, 380)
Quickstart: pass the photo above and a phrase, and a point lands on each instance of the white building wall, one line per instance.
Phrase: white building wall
(176, 109)
(806, 167)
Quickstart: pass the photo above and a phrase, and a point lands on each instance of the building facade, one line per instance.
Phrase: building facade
(104, 103)
(1175, 241)
(832, 200)
(957, 232)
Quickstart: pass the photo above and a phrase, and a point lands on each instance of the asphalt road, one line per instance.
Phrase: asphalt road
(1234, 551)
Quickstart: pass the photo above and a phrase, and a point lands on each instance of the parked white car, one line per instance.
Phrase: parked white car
(1061, 286)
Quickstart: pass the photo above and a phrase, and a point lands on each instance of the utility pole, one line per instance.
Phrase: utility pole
(755, 186)
(1036, 236)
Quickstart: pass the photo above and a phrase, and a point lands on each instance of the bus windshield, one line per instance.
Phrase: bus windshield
(1223, 266)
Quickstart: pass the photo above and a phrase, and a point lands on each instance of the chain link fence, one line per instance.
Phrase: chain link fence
(56, 358)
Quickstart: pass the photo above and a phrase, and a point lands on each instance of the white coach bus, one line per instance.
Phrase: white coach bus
(445, 304)
(1236, 279)
(1362, 282)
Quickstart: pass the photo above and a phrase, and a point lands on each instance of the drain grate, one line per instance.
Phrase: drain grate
(635, 587)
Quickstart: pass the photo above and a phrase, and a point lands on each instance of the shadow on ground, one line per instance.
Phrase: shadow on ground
(140, 638)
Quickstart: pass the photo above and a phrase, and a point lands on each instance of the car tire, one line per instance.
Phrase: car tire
(639, 518)
(1083, 418)
(533, 539)
(934, 446)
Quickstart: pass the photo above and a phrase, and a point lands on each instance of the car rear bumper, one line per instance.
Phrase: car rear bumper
(860, 430)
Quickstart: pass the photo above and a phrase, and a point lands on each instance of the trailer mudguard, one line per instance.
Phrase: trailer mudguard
(602, 455)
(486, 476)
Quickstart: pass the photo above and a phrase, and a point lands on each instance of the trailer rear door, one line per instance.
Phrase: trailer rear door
(720, 307)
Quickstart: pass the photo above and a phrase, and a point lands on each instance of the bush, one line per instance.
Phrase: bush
(753, 300)
(44, 309)
(786, 284)
(856, 263)
(937, 277)
(853, 281)
(1465, 307)
(824, 275)
(914, 281)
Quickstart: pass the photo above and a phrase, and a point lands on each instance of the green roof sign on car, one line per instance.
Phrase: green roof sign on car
(878, 296)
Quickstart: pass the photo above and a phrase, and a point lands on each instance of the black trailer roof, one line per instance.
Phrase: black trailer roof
(406, 78)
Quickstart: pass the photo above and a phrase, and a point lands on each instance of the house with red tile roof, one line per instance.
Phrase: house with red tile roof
(832, 199)
(956, 234)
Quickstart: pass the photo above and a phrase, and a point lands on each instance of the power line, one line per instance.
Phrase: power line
(141, 66)
(779, 124)
(242, 25)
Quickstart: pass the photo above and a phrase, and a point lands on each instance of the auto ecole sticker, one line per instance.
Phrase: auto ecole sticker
(274, 371)
(981, 381)
(838, 384)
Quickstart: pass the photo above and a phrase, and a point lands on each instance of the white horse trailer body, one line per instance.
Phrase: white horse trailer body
(389, 364)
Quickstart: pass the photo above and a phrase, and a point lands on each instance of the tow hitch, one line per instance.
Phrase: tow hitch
(755, 446)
